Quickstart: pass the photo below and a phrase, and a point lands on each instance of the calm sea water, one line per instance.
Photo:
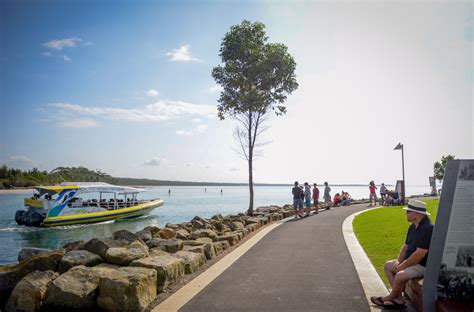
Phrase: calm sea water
(181, 205)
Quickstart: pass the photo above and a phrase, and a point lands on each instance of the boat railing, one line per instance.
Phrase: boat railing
(109, 205)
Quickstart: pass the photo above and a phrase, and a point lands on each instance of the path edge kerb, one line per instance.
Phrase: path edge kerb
(369, 278)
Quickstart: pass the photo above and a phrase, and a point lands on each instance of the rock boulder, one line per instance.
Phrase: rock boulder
(125, 255)
(129, 289)
(29, 293)
(168, 268)
(78, 257)
(77, 289)
(28, 252)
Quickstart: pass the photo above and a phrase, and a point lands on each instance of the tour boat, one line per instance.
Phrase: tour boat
(77, 203)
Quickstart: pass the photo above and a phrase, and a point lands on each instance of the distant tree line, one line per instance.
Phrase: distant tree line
(11, 177)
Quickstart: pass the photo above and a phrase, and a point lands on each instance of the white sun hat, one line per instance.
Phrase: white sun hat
(416, 206)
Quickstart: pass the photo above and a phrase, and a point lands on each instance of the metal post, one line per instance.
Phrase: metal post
(403, 172)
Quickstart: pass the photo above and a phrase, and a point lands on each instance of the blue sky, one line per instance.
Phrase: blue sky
(125, 87)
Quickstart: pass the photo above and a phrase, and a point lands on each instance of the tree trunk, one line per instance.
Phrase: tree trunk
(250, 211)
(250, 159)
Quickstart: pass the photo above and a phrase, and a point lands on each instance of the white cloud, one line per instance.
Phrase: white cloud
(152, 93)
(66, 58)
(156, 161)
(21, 162)
(181, 54)
(62, 43)
(78, 123)
(159, 111)
(201, 128)
(184, 133)
(215, 89)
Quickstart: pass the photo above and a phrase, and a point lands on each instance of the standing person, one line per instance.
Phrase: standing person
(383, 192)
(315, 198)
(297, 201)
(373, 195)
(327, 195)
(413, 255)
(307, 198)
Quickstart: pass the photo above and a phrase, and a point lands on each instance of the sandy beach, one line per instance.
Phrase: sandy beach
(17, 191)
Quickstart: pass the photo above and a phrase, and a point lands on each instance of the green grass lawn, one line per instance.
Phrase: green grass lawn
(381, 232)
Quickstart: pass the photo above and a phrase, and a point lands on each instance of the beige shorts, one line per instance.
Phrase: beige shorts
(414, 271)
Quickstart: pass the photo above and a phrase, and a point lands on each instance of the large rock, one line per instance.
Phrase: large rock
(170, 245)
(209, 251)
(100, 245)
(144, 235)
(125, 255)
(252, 227)
(127, 236)
(220, 226)
(235, 226)
(78, 257)
(208, 247)
(28, 252)
(152, 229)
(203, 233)
(129, 289)
(217, 217)
(182, 234)
(168, 268)
(29, 293)
(173, 226)
(218, 248)
(10, 275)
(166, 233)
(157, 252)
(77, 289)
(253, 220)
(196, 248)
(105, 270)
(192, 260)
(231, 238)
(76, 245)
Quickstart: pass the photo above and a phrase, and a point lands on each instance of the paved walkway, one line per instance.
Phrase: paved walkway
(302, 265)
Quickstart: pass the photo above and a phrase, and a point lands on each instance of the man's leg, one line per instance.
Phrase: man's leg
(399, 282)
(388, 268)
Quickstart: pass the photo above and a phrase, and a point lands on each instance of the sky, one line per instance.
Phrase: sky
(126, 87)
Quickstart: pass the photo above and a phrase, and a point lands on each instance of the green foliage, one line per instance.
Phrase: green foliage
(255, 75)
(10, 177)
(381, 233)
(439, 167)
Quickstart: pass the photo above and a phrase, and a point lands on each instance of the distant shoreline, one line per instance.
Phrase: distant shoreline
(27, 190)
(12, 191)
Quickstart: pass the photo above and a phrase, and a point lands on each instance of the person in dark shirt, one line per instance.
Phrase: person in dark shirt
(297, 200)
(411, 261)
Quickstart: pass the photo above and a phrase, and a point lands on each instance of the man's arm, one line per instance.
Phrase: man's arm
(414, 259)
(403, 252)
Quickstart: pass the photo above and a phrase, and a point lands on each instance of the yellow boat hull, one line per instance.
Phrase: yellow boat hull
(93, 217)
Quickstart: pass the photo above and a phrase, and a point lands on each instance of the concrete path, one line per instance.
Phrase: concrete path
(302, 265)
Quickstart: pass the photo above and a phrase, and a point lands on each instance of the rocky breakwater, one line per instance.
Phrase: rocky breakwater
(124, 272)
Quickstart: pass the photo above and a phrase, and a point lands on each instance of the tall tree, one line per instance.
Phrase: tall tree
(256, 78)
(439, 167)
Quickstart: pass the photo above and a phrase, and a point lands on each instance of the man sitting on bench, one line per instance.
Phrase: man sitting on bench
(411, 261)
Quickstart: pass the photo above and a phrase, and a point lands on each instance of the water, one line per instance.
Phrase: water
(181, 205)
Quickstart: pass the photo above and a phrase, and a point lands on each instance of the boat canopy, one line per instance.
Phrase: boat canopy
(87, 187)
